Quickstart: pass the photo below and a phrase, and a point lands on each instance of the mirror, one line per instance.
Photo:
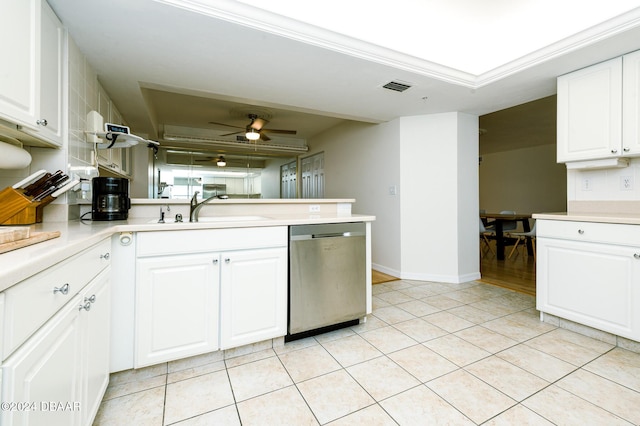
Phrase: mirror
(179, 173)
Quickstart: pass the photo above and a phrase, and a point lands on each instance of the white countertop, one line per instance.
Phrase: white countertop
(622, 218)
(76, 236)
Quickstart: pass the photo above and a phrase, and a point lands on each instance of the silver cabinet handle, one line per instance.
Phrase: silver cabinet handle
(42, 122)
(86, 306)
(91, 299)
(215, 261)
(227, 260)
(580, 231)
(636, 255)
(63, 290)
(105, 256)
(614, 151)
(627, 149)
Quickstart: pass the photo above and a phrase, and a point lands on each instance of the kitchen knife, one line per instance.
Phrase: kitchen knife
(62, 186)
(31, 178)
(31, 189)
(52, 181)
(67, 186)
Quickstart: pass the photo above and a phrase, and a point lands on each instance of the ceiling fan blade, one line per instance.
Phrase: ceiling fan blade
(282, 132)
(226, 125)
(264, 137)
(229, 134)
(258, 123)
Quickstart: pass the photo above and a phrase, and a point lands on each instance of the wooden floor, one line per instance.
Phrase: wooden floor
(517, 273)
(378, 277)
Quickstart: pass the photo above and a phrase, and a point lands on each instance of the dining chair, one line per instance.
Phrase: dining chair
(508, 225)
(484, 237)
(522, 236)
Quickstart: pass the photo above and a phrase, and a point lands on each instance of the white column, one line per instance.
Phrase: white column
(439, 197)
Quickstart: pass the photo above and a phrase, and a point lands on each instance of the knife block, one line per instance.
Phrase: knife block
(18, 209)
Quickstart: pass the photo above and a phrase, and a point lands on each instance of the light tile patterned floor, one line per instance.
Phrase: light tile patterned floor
(431, 353)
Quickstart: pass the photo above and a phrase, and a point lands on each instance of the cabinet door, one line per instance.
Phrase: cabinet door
(590, 112)
(631, 103)
(95, 346)
(46, 369)
(253, 299)
(49, 118)
(590, 283)
(19, 40)
(176, 307)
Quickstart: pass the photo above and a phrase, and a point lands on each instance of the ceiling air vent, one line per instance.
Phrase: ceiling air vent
(396, 86)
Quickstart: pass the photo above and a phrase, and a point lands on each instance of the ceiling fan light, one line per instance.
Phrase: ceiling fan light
(252, 135)
(221, 161)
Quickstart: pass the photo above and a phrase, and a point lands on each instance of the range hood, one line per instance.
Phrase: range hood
(207, 138)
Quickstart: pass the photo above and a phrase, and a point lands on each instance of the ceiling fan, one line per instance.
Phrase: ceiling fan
(255, 130)
(220, 161)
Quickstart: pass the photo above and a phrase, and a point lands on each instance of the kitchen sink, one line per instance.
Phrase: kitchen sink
(205, 219)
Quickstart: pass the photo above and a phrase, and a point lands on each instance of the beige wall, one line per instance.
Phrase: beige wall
(526, 180)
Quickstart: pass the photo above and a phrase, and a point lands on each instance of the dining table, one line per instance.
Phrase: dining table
(497, 220)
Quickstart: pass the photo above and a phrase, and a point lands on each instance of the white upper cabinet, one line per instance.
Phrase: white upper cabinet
(590, 112)
(599, 111)
(19, 37)
(631, 102)
(31, 88)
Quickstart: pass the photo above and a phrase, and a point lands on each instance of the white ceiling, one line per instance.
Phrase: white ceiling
(314, 64)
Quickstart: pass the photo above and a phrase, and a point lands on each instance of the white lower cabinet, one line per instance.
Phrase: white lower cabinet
(590, 275)
(177, 307)
(45, 369)
(253, 300)
(60, 374)
(200, 291)
(95, 344)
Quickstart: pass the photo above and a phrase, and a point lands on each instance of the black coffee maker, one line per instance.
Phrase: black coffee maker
(110, 199)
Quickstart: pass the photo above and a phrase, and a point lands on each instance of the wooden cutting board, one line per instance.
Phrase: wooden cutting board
(10, 234)
(35, 237)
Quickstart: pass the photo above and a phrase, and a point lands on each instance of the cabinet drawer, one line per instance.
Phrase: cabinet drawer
(203, 240)
(30, 303)
(608, 233)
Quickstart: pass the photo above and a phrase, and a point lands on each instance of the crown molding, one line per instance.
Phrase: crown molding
(262, 20)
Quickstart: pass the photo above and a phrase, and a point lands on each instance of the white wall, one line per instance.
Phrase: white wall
(362, 161)
(439, 176)
(525, 180)
(429, 228)
(270, 177)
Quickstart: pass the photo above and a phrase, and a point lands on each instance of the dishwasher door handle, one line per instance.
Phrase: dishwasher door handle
(337, 234)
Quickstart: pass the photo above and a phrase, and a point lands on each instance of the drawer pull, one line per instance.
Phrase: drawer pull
(215, 261)
(614, 151)
(104, 256)
(227, 260)
(637, 255)
(86, 306)
(627, 149)
(580, 231)
(91, 299)
(63, 290)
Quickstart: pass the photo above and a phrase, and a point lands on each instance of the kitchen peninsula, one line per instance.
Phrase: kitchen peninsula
(77, 305)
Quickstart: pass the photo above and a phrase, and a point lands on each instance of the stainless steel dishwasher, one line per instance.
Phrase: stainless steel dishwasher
(327, 277)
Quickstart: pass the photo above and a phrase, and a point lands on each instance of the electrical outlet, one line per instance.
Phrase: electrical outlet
(586, 184)
(626, 183)
(393, 190)
(314, 208)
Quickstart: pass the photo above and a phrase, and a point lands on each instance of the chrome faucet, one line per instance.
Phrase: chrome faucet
(194, 208)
